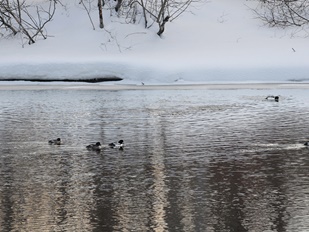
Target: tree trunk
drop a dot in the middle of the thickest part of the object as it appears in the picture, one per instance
(162, 26)
(100, 14)
(144, 12)
(118, 5)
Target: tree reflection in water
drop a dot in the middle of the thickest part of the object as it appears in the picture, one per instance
(193, 161)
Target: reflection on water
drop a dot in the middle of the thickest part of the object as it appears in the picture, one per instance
(202, 160)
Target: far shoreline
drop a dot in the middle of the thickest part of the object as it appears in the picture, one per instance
(118, 86)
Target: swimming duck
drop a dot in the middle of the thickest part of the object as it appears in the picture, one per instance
(94, 147)
(271, 97)
(55, 141)
(306, 143)
(116, 145)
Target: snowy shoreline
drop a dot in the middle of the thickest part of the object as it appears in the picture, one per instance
(227, 44)
(201, 86)
(88, 80)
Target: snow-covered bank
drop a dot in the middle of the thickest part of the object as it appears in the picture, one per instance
(222, 42)
(135, 73)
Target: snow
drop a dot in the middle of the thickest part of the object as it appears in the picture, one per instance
(217, 41)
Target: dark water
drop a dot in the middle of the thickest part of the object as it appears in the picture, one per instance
(200, 160)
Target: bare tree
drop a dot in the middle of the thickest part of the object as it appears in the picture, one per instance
(156, 11)
(151, 11)
(88, 6)
(16, 16)
(284, 13)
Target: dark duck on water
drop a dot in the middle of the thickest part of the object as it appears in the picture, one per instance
(55, 141)
(271, 97)
(116, 145)
(94, 147)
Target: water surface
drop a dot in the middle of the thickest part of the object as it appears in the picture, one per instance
(194, 160)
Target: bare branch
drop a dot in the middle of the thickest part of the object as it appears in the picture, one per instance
(284, 13)
(88, 12)
(15, 16)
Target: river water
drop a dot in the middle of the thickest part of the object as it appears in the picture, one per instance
(194, 160)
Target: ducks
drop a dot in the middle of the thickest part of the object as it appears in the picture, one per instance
(94, 147)
(117, 145)
(306, 143)
(55, 141)
(98, 146)
(271, 97)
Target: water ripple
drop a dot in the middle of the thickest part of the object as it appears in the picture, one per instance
(202, 160)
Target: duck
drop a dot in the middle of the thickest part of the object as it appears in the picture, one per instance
(94, 147)
(306, 143)
(271, 97)
(117, 145)
(55, 141)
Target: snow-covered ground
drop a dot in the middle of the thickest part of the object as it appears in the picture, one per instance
(221, 42)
